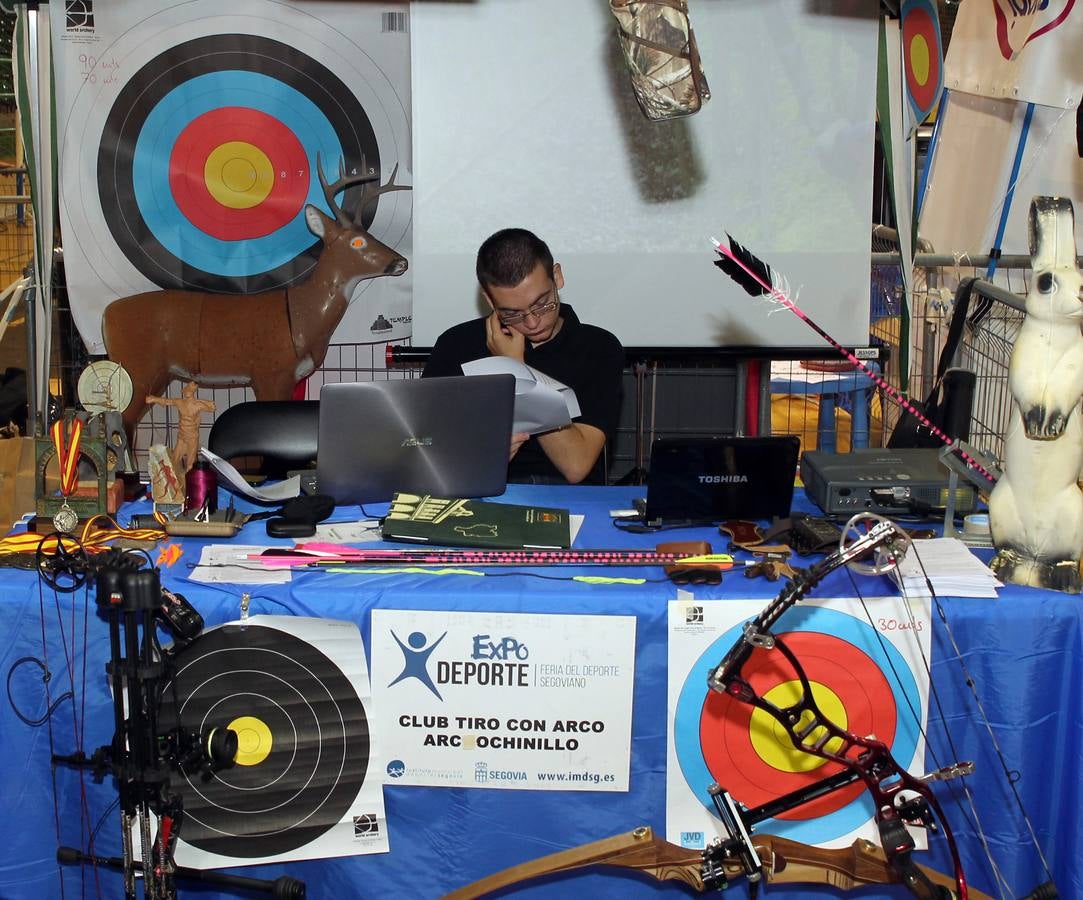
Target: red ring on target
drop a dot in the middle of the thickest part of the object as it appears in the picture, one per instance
(726, 740)
(202, 136)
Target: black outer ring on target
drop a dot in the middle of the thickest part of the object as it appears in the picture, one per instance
(201, 56)
(320, 747)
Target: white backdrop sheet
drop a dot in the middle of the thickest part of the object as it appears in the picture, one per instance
(524, 116)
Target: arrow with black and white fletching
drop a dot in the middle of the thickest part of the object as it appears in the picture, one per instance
(759, 279)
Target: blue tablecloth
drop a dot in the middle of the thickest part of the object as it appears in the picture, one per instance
(1023, 650)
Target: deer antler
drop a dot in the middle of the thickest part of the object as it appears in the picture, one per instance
(346, 181)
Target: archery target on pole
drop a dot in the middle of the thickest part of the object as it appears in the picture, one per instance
(303, 742)
(190, 141)
(923, 56)
(858, 682)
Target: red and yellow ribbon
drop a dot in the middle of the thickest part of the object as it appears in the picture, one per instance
(94, 535)
(67, 454)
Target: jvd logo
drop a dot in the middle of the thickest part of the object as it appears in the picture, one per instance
(503, 648)
(1016, 21)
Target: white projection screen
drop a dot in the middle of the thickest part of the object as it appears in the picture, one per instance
(524, 116)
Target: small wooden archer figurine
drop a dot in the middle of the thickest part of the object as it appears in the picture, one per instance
(189, 408)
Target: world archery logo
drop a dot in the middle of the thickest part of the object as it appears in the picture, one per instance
(1015, 26)
(416, 652)
(366, 825)
(79, 15)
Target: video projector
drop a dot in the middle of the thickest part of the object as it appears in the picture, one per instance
(888, 482)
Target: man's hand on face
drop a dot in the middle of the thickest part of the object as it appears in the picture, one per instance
(503, 340)
(517, 441)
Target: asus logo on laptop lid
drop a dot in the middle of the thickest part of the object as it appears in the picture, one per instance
(456, 432)
(705, 480)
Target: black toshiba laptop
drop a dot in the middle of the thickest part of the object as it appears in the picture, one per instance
(448, 437)
(705, 480)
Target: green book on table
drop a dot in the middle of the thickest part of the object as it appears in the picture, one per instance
(475, 523)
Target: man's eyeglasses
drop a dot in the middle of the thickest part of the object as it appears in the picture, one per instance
(538, 310)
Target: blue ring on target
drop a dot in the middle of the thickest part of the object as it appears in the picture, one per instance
(686, 721)
(150, 169)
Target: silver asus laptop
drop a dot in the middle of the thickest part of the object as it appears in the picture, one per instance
(448, 437)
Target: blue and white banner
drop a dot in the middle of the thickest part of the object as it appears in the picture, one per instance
(504, 700)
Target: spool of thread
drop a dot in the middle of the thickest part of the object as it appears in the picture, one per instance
(200, 488)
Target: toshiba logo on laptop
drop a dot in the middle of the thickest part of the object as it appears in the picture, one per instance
(417, 442)
(723, 479)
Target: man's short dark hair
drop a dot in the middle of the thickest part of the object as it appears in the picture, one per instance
(508, 256)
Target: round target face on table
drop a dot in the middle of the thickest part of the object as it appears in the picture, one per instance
(303, 740)
(720, 740)
(209, 154)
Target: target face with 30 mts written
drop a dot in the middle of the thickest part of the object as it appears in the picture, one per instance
(858, 682)
(303, 740)
(208, 157)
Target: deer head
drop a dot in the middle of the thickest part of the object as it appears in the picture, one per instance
(350, 255)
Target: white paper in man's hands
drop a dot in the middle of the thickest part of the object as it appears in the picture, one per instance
(541, 403)
(234, 480)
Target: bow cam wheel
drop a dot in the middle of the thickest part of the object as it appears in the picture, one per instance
(882, 559)
(65, 568)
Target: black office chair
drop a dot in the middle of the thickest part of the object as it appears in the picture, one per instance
(282, 433)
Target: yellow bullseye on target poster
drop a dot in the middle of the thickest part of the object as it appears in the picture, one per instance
(189, 136)
(865, 665)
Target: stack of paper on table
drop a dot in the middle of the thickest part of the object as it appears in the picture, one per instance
(949, 565)
(541, 403)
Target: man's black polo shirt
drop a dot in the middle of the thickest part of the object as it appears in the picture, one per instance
(588, 359)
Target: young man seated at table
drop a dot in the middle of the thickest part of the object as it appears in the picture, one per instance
(529, 323)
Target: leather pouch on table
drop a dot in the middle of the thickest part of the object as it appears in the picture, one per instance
(298, 517)
(694, 573)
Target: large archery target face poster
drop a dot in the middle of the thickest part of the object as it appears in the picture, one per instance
(191, 135)
(304, 784)
(866, 676)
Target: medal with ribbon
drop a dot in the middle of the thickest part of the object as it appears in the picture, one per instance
(67, 456)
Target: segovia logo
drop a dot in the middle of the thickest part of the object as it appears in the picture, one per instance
(723, 479)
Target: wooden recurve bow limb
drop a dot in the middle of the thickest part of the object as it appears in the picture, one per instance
(784, 861)
(638, 849)
(861, 863)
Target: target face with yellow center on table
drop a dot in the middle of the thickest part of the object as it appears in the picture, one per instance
(303, 740)
(860, 684)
